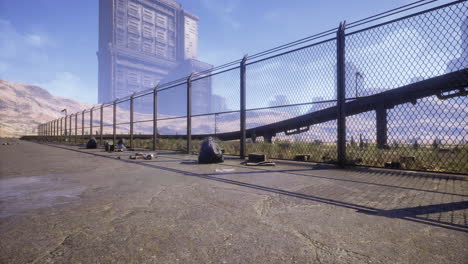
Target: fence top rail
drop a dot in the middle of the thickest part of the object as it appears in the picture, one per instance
(358, 27)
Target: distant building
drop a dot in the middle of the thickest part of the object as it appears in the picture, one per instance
(146, 42)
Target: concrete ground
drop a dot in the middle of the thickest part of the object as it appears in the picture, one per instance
(65, 204)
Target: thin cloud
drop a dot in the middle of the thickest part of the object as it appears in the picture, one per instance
(67, 84)
(224, 11)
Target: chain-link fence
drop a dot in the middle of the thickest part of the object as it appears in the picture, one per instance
(383, 94)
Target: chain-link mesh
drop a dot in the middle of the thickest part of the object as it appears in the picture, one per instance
(428, 133)
(143, 114)
(288, 86)
(107, 119)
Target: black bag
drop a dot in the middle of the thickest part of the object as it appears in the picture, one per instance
(109, 147)
(92, 144)
(210, 152)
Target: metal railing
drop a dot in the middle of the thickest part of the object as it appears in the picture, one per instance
(372, 93)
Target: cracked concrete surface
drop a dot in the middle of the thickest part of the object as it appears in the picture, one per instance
(63, 204)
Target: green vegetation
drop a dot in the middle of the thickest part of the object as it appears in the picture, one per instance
(415, 156)
(411, 156)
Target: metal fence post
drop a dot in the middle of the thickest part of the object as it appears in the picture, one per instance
(82, 124)
(101, 125)
(131, 120)
(61, 129)
(76, 128)
(114, 110)
(341, 94)
(381, 123)
(155, 115)
(242, 106)
(91, 122)
(70, 132)
(189, 113)
(65, 130)
(57, 131)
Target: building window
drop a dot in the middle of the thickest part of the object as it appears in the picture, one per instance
(134, 27)
(148, 47)
(161, 36)
(120, 38)
(134, 43)
(161, 21)
(170, 23)
(161, 50)
(171, 52)
(171, 39)
(147, 81)
(121, 6)
(120, 75)
(134, 9)
(148, 16)
(133, 78)
(148, 31)
(120, 22)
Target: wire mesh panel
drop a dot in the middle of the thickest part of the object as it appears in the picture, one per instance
(292, 85)
(143, 120)
(216, 93)
(172, 102)
(143, 108)
(172, 127)
(409, 58)
(96, 121)
(107, 119)
(172, 111)
(85, 125)
(203, 125)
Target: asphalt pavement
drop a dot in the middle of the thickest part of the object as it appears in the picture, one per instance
(66, 204)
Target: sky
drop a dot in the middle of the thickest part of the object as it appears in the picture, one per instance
(53, 43)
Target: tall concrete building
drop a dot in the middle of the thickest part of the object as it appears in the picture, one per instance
(146, 42)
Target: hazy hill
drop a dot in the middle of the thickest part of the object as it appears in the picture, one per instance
(24, 106)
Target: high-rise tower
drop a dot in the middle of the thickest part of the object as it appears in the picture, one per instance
(144, 42)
